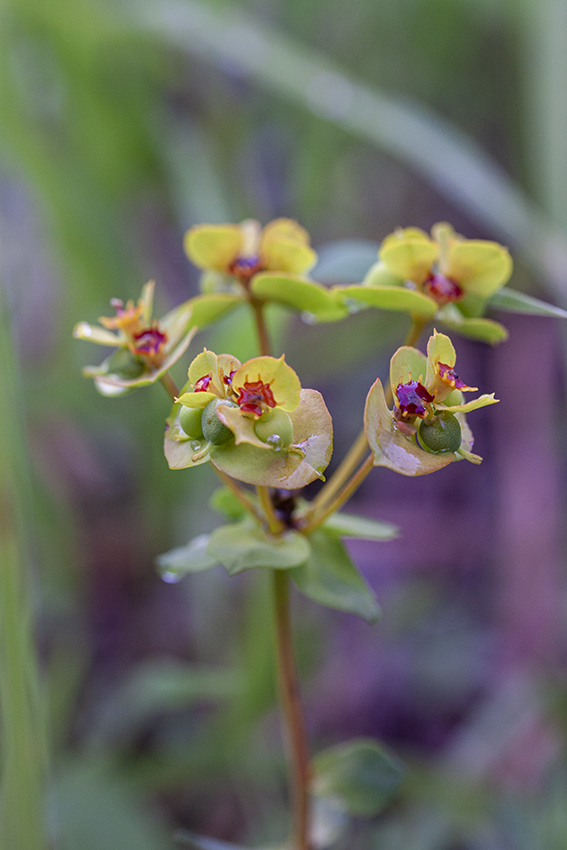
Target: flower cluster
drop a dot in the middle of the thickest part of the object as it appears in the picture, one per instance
(445, 277)
(145, 348)
(426, 429)
(243, 263)
(252, 420)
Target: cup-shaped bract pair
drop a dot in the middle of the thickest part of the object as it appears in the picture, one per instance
(245, 263)
(145, 348)
(253, 421)
(444, 276)
(426, 429)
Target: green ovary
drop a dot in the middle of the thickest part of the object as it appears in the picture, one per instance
(442, 434)
(275, 426)
(213, 429)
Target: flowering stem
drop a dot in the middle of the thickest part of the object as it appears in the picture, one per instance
(261, 328)
(358, 449)
(293, 712)
(275, 524)
(170, 386)
(342, 497)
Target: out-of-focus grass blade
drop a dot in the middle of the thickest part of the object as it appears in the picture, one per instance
(449, 159)
(23, 751)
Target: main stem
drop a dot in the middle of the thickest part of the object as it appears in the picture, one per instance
(293, 712)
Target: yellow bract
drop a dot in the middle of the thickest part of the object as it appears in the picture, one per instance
(213, 246)
(283, 381)
(282, 246)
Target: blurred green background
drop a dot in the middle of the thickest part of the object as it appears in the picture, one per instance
(120, 127)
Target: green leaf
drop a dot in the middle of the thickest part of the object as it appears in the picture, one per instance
(225, 502)
(208, 309)
(360, 775)
(349, 525)
(245, 546)
(518, 302)
(312, 433)
(484, 330)
(390, 446)
(191, 558)
(330, 578)
(390, 298)
(299, 294)
(158, 686)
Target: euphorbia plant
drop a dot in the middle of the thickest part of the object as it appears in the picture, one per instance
(257, 426)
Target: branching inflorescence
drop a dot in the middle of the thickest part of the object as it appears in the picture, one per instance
(256, 425)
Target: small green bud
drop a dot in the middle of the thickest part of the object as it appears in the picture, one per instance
(213, 429)
(190, 421)
(275, 427)
(125, 364)
(441, 434)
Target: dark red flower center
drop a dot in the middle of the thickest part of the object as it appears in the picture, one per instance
(149, 342)
(254, 397)
(202, 385)
(447, 374)
(442, 288)
(411, 397)
(228, 378)
(245, 267)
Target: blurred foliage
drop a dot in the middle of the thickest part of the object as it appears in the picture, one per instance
(122, 126)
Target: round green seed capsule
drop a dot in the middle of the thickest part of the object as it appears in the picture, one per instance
(125, 364)
(442, 434)
(275, 427)
(213, 429)
(190, 421)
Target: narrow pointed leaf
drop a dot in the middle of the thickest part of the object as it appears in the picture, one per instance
(518, 302)
(391, 298)
(245, 546)
(330, 578)
(299, 294)
(484, 330)
(208, 309)
(349, 525)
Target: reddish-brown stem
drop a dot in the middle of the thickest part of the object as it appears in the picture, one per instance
(261, 328)
(291, 704)
(170, 386)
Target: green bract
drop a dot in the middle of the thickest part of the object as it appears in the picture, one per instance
(443, 276)
(244, 263)
(146, 348)
(425, 390)
(252, 403)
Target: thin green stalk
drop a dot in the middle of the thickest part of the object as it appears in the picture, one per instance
(22, 719)
(294, 720)
(358, 449)
(275, 524)
(170, 386)
(343, 496)
(240, 494)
